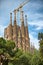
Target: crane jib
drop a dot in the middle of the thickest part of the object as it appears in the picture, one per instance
(21, 5)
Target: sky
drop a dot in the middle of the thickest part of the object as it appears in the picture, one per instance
(34, 11)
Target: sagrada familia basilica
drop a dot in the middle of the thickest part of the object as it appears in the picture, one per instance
(19, 34)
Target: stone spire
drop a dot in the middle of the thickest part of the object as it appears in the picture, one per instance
(22, 18)
(26, 20)
(22, 22)
(9, 29)
(26, 26)
(23, 30)
(27, 35)
(15, 31)
(11, 18)
(14, 16)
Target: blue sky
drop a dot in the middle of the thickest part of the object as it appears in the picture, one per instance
(34, 11)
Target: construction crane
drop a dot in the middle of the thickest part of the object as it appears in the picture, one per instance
(20, 8)
(21, 5)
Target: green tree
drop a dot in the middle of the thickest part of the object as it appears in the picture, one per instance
(22, 60)
(40, 37)
(2, 47)
(35, 59)
(41, 49)
(10, 45)
(6, 50)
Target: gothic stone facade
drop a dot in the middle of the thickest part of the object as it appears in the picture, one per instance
(19, 34)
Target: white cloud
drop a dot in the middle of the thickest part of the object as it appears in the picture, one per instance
(34, 41)
(35, 20)
(39, 24)
(39, 28)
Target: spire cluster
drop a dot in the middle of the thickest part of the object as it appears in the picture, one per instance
(19, 34)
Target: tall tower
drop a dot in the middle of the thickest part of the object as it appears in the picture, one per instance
(27, 35)
(15, 34)
(9, 29)
(23, 31)
(10, 18)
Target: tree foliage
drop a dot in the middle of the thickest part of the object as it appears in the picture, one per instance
(18, 57)
(40, 37)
